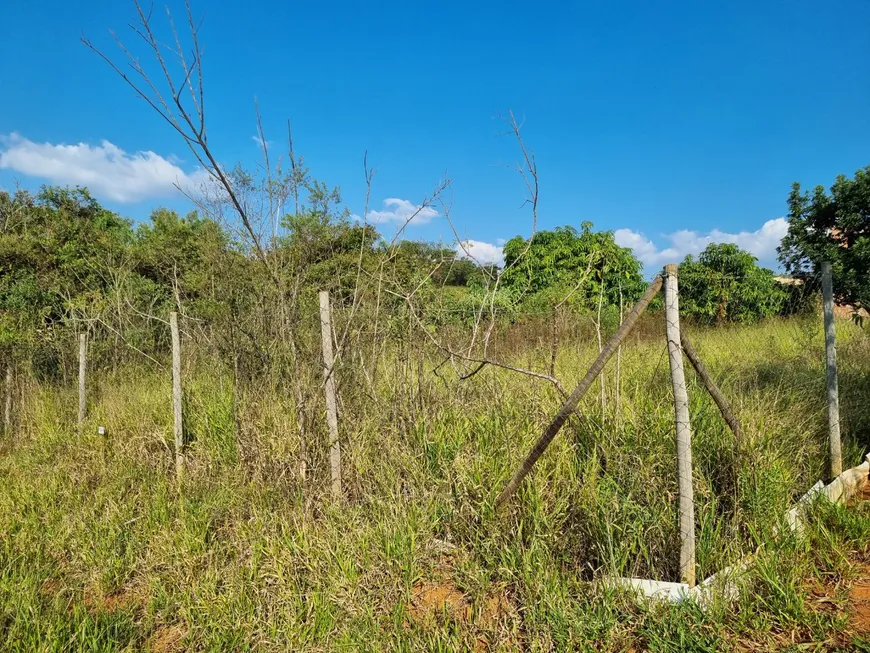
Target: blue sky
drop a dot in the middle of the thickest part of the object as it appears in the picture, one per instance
(671, 123)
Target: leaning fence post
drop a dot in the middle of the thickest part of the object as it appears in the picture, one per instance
(178, 425)
(83, 370)
(582, 388)
(329, 387)
(684, 430)
(709, 383)
(831, 371)
(7, 409)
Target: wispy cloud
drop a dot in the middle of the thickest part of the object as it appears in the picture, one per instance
(762, 243)
(108, 171)
(399, 211)
(260, 142)
(481, 252)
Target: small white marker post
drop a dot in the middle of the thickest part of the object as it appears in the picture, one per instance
(104, 441)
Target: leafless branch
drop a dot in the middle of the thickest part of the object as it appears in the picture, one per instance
(189, 124)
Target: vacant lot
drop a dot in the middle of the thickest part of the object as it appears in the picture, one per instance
(100, 550)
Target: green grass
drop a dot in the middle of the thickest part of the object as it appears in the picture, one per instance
(100, 551)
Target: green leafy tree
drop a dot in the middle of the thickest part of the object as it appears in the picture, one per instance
(459, 272)
(556, 261)
(323, 250)
(59, 251)
(184, 257)
(726, 284)
(835, 227)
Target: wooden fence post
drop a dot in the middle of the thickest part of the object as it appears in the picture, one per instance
(329, 387)
(582, 388)
(831, 371)
(684, 430)
(83, 370)
(7, 409)
(178, 425)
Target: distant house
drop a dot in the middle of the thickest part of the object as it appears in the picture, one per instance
(844, 311)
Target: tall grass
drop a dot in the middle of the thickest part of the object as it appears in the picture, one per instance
(101, 551)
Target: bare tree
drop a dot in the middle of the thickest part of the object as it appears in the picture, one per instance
(476, 351)
(177, 95)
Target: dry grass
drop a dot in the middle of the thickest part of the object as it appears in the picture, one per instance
(100, 551)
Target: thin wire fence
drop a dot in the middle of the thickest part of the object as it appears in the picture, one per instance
(408, 372)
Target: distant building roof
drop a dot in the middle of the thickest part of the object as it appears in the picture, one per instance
(789, 281)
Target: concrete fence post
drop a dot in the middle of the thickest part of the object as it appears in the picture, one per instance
(684, 429)
(329, 388)
(831, 371)
(178, 422)
(83, 370)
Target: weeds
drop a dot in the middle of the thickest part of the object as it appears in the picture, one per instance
(100, 551)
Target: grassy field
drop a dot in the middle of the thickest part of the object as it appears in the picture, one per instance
(100, 551)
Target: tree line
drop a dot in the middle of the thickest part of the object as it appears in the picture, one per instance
(69, 264)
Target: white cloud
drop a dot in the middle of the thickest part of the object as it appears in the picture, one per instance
(260, 142)
(483, 253)
(762, 243)
(401, 211)
(108, 171)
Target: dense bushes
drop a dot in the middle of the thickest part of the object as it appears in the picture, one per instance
(581, 267)
(725, 284)
(69, 265)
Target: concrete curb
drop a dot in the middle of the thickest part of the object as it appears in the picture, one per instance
(724, 583)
